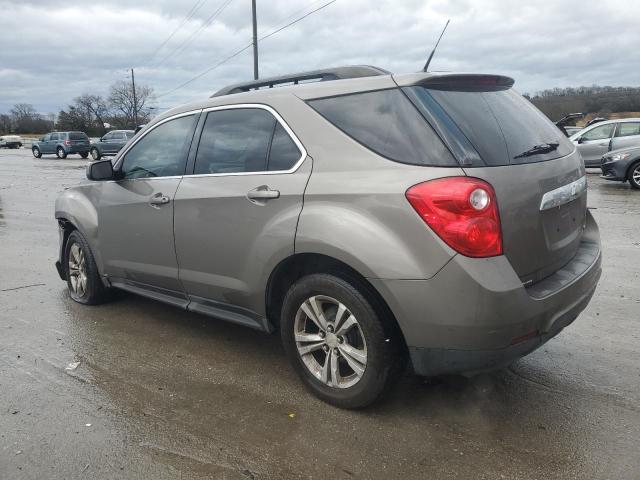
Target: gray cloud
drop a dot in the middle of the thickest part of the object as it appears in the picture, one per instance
(53, 51)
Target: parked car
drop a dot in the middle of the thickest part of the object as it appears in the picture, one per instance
(367, 220)
(10, 141)
(111, 143)
(594, 141)
(622, 165)
(62, 144)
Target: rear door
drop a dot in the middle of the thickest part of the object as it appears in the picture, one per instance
(503, 128)
(594, 143)
(627, 134)
(136, 212)
(236, 214)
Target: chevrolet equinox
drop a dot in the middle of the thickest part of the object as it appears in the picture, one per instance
(369, 218)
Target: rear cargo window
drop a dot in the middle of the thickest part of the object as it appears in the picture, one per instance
(77, 136)
(501, 124)
(386, 122)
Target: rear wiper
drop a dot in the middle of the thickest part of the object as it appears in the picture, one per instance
(537, 149)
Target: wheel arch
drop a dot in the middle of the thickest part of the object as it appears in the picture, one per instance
(632, 164)
(299, 265)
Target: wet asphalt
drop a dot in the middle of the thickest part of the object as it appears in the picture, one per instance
(161, 394)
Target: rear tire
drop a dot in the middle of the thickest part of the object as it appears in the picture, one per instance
(350, 362)
(83, 278)
(95, 154)
(60, 153)
(36, 152)
(634, 176)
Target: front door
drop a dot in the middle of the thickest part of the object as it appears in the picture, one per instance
(595, 143)
(136, 212)
(236, 215)
(51, 143)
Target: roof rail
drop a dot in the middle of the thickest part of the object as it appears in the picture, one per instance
(338, 73)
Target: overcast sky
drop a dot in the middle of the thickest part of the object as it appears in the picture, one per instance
(52, 51)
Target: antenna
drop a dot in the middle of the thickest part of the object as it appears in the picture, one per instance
(426, 65)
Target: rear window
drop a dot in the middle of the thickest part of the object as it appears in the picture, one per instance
(500, 124)
(386, 122)
(77, 136)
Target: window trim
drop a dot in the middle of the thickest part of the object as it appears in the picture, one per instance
(279, 119)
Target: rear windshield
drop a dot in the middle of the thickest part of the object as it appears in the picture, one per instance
(77, 136)
(501, 125)
(386, 122)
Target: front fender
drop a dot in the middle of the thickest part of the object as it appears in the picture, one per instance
(77, 205)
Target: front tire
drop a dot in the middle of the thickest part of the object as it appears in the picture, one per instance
(83, 279)
(335, 339)
(634, 176)
(36, 152)
(60, 153)
(95, 154)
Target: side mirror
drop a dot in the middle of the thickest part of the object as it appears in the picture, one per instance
(581, 140)
(101, 170)
(42, 139)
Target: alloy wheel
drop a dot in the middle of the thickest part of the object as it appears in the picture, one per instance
(635, 175)
(330, 342)
(77, 270)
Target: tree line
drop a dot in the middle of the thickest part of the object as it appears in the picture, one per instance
(558, 102)
(89, 113)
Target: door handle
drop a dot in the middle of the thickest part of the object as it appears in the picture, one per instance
(262, 194)
(159, 199)
(603, 144)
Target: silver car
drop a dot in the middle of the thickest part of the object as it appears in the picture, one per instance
(369, 218)
(594, 141)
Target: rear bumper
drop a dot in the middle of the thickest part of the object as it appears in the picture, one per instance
(77, 149)
(475, 314)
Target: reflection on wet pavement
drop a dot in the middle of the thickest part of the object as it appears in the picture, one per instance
(160, 393)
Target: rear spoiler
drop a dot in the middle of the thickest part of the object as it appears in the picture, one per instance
(470, 82)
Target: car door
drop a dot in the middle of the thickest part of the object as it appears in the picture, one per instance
(236, 215)
(627, 134)
(119, 139)
(43, 143)
(51, 143)
(135, 214)
(594, 143)
(105, 143)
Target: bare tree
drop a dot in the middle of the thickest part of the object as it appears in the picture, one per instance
(97, 107)
(125, 107)
(21, 111)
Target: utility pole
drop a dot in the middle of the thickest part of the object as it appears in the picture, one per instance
(255, 40)
(135, 100)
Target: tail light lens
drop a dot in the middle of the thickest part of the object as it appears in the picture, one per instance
(67, 142)
(462, 211)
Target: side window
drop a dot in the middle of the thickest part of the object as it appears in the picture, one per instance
(108, 137)
(46, 138)
(386, 122)
(603, 132)
(284, 153)
(118, 136)
(628, 129)
(162, 152)
(54, 137)
(235, 140)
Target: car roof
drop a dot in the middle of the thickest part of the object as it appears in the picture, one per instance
(328, 88)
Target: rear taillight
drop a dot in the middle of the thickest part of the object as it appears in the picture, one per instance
(67, 142)
(463, 212)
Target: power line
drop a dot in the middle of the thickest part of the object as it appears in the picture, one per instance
(238, 52)
(194, 8)
(207, 23)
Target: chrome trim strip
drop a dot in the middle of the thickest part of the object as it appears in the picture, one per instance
(565, 194)
(279, 119)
